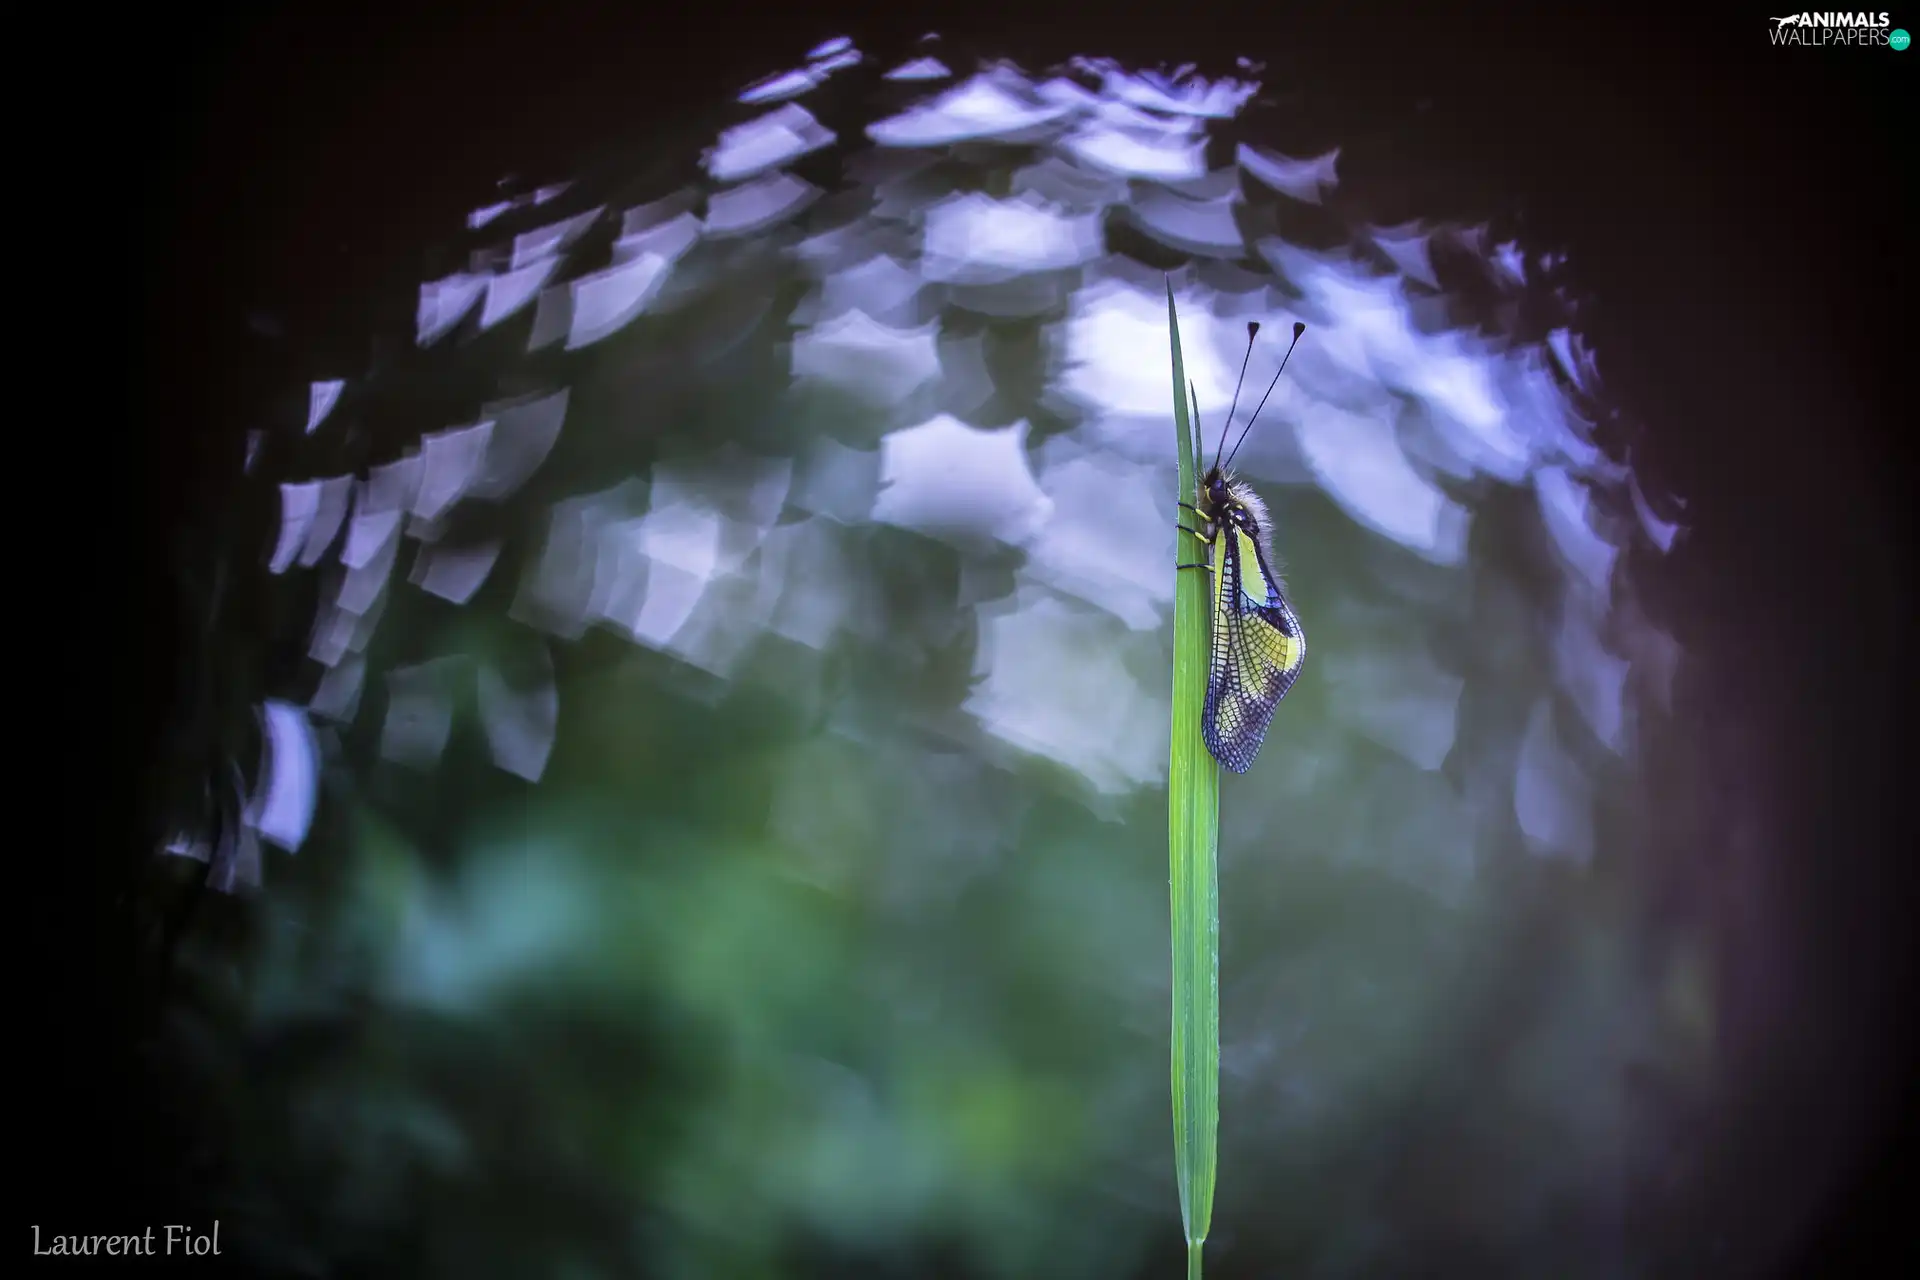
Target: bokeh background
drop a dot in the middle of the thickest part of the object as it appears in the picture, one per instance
(664, 773)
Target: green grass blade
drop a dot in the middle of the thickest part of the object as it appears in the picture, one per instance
(1193, 837)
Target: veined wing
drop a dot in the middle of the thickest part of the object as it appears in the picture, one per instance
(1258, 648)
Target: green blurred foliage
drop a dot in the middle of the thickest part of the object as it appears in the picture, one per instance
(798, 971)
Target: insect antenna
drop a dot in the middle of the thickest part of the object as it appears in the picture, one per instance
(1298, 329)
(1253, 327)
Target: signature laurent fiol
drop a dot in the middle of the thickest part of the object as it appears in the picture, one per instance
(173, 1242)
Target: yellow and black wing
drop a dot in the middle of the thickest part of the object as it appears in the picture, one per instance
(1258, 647)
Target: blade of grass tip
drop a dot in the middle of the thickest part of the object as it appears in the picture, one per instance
(1193, 830)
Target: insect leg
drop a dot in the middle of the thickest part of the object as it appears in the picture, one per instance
(1201, 565)
(1189, 506)
(1195, 532)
